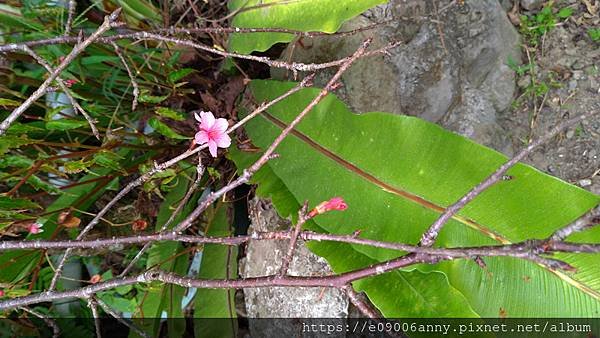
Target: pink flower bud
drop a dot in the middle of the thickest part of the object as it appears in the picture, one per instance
(95, 279)
(35, 228)
(336, 203)
(69, 83)
(1, 293)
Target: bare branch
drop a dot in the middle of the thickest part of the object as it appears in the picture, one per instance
(134, 84)
(109, 21)
(64, 89)
(515, 249)
(129, 34)
(294, 233)
(119, 318)
(590, 219)
(71, 15)
(94, 307)
(337, 281)
(360, 304)
(51, 323)
(526, 250)
(431, 234)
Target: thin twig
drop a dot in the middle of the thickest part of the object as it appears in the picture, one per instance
(134, 84)
(71, 15)
(64, 89)
(337, 281)
(294, 233)
(293, 66)
(119, 318)
(51, 323)
(94, 307)
(431, 234)
(109, 21)
(225, 30)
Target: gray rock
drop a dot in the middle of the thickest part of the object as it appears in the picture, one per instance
(264, 258)
(577, 65)
(431, 75)
(531, 5)
(507, 5)
(572, 85)
(470, 118)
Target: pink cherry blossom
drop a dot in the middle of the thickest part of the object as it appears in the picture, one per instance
(336, 203)
(212, 132)
(35, 228)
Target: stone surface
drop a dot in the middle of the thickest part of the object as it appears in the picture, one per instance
(264, 258)
(531, 5)
(451, 67)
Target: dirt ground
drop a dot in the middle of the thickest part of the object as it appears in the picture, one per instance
(568, 61)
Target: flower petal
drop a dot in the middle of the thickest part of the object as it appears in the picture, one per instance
(212, 148)
(207, 120)
(223, 140)
(221, 125)
(201, 137)
(197, 117)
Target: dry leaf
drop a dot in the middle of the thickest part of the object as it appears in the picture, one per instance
(513, 15)
(67, 220)
(592, 8)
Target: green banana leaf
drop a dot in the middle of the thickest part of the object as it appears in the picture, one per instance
(304, 15)
(397, 173)
(218, 261)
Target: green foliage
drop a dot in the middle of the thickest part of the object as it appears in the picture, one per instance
(8, 203)
(170, 113)
(535, 26)
(594, 34)
(165, 130)
(304, 15)
(65, 124)
(395, 181)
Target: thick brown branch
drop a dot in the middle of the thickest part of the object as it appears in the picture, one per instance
(521, 248)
